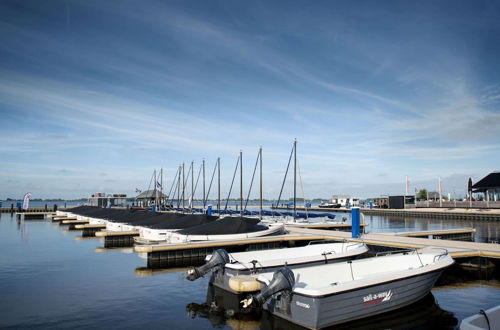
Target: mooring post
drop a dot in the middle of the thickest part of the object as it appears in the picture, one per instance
(355, 222)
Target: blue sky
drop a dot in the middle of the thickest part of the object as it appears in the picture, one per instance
(96, 94)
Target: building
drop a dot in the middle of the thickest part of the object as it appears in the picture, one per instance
(489, 186)
(345, 200)
(400, 202)
(149, 197)
(101, 200)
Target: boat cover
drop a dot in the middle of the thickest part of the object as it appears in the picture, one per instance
(225, 226)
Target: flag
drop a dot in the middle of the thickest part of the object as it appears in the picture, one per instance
(138, 191)
(416, 191)
(26, 201)
(158, 185)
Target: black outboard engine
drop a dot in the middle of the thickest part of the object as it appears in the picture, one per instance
(219, 258)
(283, 280)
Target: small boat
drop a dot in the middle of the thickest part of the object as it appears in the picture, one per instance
(484, 320)
(321, 296)
(227, 228)
(238, 272)
(329, 205)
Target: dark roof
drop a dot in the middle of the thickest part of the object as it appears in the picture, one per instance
(151, 194)
(492, 180)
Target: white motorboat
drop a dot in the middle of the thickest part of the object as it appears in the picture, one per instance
(321, 296)
(237, 272)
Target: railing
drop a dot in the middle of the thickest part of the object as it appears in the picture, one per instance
(456, 204)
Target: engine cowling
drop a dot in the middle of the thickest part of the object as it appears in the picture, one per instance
(283, 280)
(219, 258)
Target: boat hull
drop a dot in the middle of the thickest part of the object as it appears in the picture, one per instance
(317, 312)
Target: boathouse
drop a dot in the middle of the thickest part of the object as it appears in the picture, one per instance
(489, 186)
(149, 197)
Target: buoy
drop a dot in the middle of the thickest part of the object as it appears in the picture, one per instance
(244, 283)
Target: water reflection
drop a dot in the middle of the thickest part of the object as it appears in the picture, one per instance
(223, 309)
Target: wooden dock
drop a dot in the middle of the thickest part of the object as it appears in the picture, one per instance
(117, 238)
(326, 226)
(442, 213)
(62, 218)
(454, 234)
(193, 253)
(89, 230)
(457, 249)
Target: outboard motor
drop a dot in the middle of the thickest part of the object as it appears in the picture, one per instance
(219, 258)
(283, 279)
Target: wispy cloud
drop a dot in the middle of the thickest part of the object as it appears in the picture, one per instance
(163, 84)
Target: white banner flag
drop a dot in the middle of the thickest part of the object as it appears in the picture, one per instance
(26, 201)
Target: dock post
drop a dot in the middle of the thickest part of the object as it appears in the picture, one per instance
(355, 222)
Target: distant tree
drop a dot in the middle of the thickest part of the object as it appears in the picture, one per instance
(422, 194)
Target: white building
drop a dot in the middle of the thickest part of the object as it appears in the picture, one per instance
(345, 200)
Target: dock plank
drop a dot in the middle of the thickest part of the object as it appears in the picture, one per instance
(455, 248)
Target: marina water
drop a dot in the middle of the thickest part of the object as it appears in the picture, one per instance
(51, 278)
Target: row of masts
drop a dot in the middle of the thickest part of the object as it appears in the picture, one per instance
(179, 184)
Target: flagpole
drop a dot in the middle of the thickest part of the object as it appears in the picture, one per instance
(440, 199)
(406, 186)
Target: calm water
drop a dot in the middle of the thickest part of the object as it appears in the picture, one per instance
(51, 279)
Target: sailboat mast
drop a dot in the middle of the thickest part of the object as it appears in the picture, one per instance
(192, 185)
(204, 199)
(295, 179)
(218, 185)
(183, 186)
(154, 190)
(241, 183)
(179, 188)
(161, 187)
(260, 161)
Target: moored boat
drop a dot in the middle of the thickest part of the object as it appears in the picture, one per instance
(484, 320)
(238, 272)
(320, 296)
(227, 228)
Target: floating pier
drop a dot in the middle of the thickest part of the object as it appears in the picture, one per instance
(326, 226)
(15, 209)
(192, 253)
(452, 234)
(457, 249)
(33, 215)
(89, 230)
(60, 218)
(442, 213)
(72, 223)
(117, 238)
